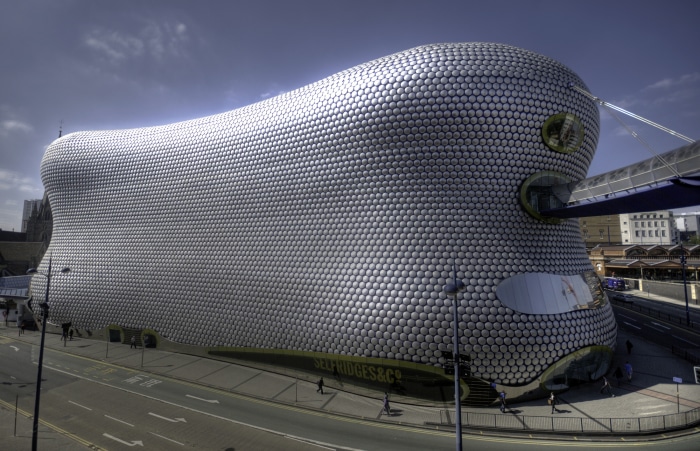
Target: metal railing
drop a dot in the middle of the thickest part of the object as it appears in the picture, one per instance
(642, 425)
(691, 355)
(673, 319)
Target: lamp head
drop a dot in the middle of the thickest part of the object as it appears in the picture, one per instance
(455, 287)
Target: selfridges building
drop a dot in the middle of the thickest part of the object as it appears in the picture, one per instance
(318, 229)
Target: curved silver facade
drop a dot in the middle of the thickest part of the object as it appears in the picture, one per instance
(327, 219)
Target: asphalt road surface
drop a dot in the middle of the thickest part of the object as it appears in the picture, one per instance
(104, 406)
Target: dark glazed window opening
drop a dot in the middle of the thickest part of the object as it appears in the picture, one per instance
(536, 194)
(563, 132)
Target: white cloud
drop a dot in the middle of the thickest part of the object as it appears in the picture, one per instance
(154, 39)
(13, 180)
(269, 94)
(114, 46)
(671, 83)
(10, 126)
(674, 90)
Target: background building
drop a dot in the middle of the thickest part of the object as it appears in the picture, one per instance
(597, 230)
(688, 225)
(30, 207)
(648, 228)
(40, 222)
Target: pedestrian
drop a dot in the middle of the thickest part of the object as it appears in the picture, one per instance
(628, 371)
(606, 387)
(387, 409)
(553, 402)
(70, 334)
(320, 386)
(133, 342)
(336, 374)
(618, 375)
(629, 346)
(502, 399)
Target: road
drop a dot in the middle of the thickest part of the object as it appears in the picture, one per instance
(675, 311)
(665, 333)
(111, 407)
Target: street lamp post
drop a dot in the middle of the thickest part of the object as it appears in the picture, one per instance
(452, 289)
(45, 315)
(685, 287)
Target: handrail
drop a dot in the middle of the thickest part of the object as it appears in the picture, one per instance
(557, 424)
(676, 320)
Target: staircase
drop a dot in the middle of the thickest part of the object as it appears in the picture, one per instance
(481, 394)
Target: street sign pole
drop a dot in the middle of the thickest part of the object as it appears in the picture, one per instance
(678, 381)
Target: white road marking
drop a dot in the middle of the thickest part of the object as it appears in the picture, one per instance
(132, 443)
(661, 325)
(679, 338)
(75, 403)
(213, 401)
(121, 421)
(166, 438)
(172, 420)
(632, 325)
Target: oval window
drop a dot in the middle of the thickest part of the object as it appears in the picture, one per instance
(563, 132)
(536, 194)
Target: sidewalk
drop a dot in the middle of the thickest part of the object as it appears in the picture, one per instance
(652, 391)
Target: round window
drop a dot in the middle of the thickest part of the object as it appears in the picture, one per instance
(536, 194)
(563, 132)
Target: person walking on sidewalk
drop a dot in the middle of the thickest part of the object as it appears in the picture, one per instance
(502, 399)
(628, 371)
(387, 409)
(133, 342)
(606, 387)
(320, 386)
(629, 346)
(618, 375)
(553, 400)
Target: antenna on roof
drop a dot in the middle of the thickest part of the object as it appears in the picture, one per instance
(60, 129)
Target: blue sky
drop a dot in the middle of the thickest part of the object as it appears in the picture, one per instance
(109, 65)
